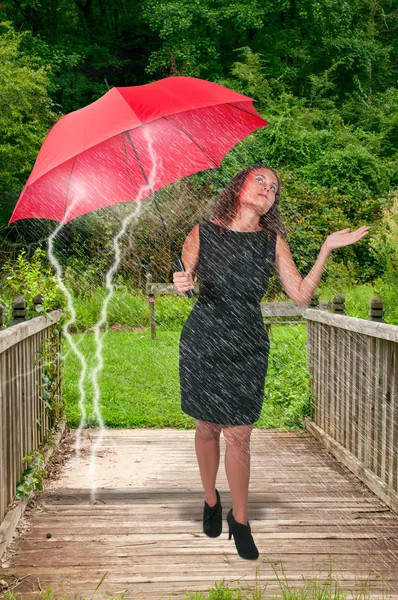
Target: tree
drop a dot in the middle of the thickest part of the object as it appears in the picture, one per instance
(26, 114)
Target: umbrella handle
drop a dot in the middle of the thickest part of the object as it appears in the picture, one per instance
(180, 266)
(178, 261)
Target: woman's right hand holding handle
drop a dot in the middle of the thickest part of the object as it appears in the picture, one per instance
(183, 281)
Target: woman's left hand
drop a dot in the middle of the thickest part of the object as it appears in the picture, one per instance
(338, 239)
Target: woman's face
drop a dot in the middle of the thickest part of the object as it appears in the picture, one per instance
(259, 190)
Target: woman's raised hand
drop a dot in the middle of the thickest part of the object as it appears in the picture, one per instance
(183, 281)
(338, 239)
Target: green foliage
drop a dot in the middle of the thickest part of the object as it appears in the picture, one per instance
(32, 476)
(354, 171)
(61, 61)
(26, 110)
(49, 359)
(29, 277)
(388, 292)
(79, 285)
(84, 43)
(333, 163)
(124, 308)
(319, 587)
(298, 40)
(129, 308)
(323, 73)
(354, 42)
(171, 312)
(139, 383)
(384, 247)
(146, 371)
(384, 242)
(287, 390)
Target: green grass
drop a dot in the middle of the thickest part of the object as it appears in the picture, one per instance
(287, 386)
(139, 383)
(358, 297)
(130, 308)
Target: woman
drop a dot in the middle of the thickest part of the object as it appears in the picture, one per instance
(224, 344)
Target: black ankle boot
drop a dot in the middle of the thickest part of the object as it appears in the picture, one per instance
(212, 518)
(243, 538)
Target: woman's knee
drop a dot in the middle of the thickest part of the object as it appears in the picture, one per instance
(208, 431)
(238, 435)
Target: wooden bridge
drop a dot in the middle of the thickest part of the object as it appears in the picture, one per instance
(325, 499)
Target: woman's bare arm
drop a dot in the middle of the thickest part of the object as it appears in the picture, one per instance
(301, 290)
(183, 280)
(190, 250)
(298, 289)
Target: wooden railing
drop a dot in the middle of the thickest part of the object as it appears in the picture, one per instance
(354, 377)
(24, 420)
(288, 313)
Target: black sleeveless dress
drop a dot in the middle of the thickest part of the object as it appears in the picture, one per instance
(224, 345)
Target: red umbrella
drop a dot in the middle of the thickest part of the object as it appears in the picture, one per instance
(131, 142)
(100, 155)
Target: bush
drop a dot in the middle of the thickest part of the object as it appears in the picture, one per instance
(389, 294)
(29, 277)
(384, 242)
(354, 170)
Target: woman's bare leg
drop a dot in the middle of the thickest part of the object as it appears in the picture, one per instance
(207, 446)
(237, 467)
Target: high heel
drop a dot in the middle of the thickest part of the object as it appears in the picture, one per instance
(212, 518)
(242, 537)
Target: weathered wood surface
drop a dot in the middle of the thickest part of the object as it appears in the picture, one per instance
(308, 513)
(24, 421)
(354, 379)
(379, 330)
(11, 336)
(287, 309)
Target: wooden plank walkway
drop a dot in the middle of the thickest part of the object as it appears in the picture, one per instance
(308, 513)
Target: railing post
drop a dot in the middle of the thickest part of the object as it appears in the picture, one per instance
(314, 300)
(376, 310)
(2, 316)
(19, 311)
(37, 300)
(151, 301)
(338, 304)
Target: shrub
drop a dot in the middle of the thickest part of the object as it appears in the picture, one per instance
(29, 277)
(384, 242)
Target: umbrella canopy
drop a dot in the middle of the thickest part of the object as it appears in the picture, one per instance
(131, 142)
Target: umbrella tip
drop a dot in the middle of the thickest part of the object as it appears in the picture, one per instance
(107, 84)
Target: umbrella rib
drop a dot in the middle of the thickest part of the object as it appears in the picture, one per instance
(245, 111)
(67, 189)
(138, 160)
(129, 175)
(152, 192)
(179, 128)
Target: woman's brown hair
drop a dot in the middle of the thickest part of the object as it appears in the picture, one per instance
(225, 205)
